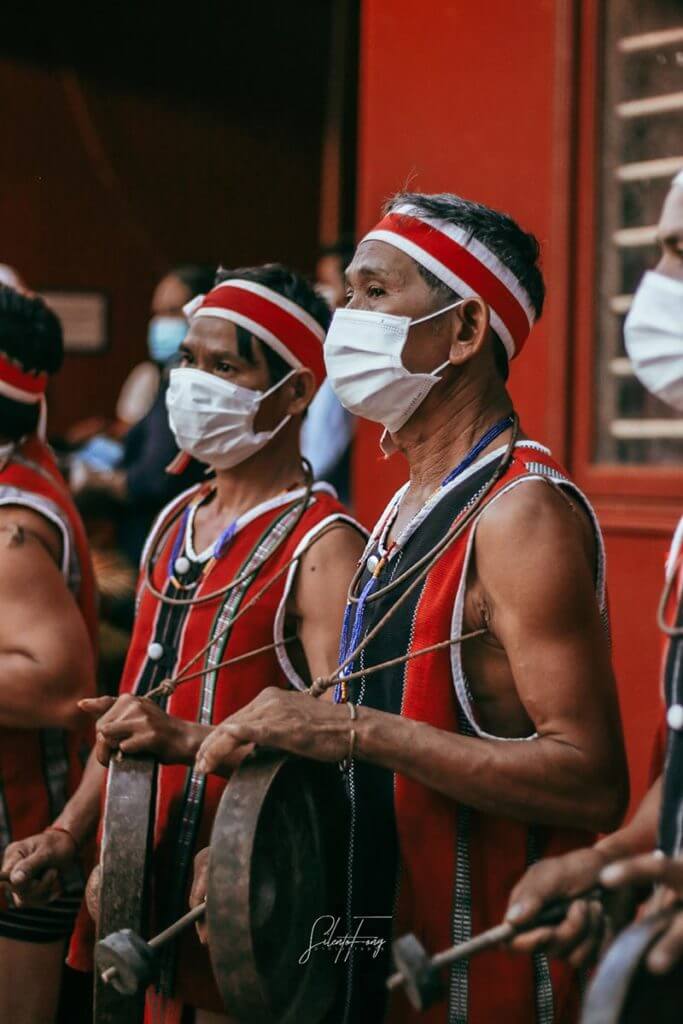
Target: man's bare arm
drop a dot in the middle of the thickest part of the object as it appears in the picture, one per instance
(537, 580)
(536, 573)
(578, 937)
(46, 660)
(320, 593)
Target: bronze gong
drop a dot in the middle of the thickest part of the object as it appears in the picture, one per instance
(623, 991)
(124, 860)
(278, 851)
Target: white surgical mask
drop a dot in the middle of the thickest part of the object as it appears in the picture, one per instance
(363, 352)
(653, 334)
(213, 419)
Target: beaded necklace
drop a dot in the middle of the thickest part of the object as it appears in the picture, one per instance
(349, 643)
(180, 564)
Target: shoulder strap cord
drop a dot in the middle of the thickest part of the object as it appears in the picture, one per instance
(183, 675)
(668, 630)
(425, 564)
(423, 567)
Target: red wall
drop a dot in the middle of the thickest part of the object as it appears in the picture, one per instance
(480, 99)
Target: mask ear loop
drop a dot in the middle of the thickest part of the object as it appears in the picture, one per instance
(270, 391)
(431, 316)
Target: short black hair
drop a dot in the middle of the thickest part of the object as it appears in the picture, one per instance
(291, 286)
(30, 335)
(518, 250)
(198, 278)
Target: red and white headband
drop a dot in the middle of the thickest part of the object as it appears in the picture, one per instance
(21, 385)
(465, 265)
(289, 330)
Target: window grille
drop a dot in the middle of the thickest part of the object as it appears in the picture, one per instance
(641, 151)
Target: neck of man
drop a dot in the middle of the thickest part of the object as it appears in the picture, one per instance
(447, 428)
(267, 473)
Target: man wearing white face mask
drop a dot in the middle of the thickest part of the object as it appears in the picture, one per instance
(482, 725)
(653, 334)
(132, 470)
(254, 564)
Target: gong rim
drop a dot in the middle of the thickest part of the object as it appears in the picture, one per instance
(249, 992)
(124, 860)
(611, 989)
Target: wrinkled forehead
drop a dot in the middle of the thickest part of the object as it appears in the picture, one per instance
(671, 220)
(375, 258)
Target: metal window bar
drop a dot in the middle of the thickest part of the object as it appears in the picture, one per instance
(646, 170)
(647, 430)
(641, 151)
(620, 304)
(621, 367)
(650, 40)
(650, 105)
(628, 238)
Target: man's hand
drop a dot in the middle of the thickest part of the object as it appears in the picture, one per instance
(198, 891)
(33, 866)
(138, 726)
(283, 719)
(579, 936)
(667, 872)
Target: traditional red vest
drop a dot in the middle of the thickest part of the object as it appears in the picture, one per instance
(455, 867)
(164, 640)
(41, 768)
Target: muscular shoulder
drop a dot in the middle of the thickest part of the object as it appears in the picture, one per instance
(534, 555)
(536, 516)
(336, 544)
(21, 526)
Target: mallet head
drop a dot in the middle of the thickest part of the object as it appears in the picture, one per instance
(128, 962)
(421, 979)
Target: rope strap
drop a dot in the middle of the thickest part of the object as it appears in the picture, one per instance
(323, 683)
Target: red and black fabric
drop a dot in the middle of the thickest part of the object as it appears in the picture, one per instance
(419, 861)
(671, 817)
(187, 801)
(41, 768)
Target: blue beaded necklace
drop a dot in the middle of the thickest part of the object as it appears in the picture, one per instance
(348, 643)
(219, 548)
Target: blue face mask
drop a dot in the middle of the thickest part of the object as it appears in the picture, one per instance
(165, 336)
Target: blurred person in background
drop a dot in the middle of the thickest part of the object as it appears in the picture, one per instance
(11, 277)
(164, 332)
(47, 646)
(133, 471)
(653, 334)
(327, 431)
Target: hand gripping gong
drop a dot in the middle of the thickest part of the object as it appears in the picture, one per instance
(277, 860)
(623, 991)
(126, 840)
